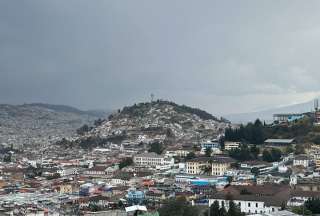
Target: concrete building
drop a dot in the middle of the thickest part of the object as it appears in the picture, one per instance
(231, 145)
(217, 165)
(220, 165)
(152, 159)
(301, 160)
(278, 142)
(253, 199)
(287, 117)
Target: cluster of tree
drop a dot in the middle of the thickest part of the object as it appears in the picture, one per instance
(201, 113)
(98, 122)
(257, 132)
(125, 162)
(245, 153)
(208, 152)
(216, 210)
(190, 156)
(253, 133)
(32, 172)
(178, 207)
(91, 142)
(271, 155)
(83, 129)
(7, 157)
(139, 109)
(54, 176)
(313, 205)
(156, 147)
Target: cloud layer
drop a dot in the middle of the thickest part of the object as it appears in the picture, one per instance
(223, 56)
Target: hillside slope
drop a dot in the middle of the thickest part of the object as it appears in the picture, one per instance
(160, 121)
(39, 123)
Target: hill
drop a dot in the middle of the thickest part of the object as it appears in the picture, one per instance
(40, 123)
(160, 121)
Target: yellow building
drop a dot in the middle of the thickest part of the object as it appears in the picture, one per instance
(196, 166)
(68, 189)
(217, 165)
(220, 165)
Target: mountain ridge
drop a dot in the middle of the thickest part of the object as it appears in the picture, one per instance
(162, 121)
(267, 115)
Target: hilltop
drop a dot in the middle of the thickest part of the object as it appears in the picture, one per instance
(35, 124)
(161, 121)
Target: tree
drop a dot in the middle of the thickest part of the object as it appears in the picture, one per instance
(313, 205)
(222, 211)
(299, 149)
(301, 210)
(7, 157)
(271, 156)
(178, 207)
(214, 209)
(190, 156)
(234, 210)
(208, 152)
(276, 154)
(289, 149)
(84, 129)
(156, 147)
(255, 171)
(126, 162)
(244, 153)
(266, 156)
(255, 151)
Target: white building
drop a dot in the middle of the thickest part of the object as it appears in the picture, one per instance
(65, 171)
(231, 145)
(253, 199)
(301, 160)
(152, 159)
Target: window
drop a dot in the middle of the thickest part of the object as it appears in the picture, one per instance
(272, 209)
(257, 205)
(249, 204)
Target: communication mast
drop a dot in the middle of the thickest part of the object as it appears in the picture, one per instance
(152, 97)
(316, 105)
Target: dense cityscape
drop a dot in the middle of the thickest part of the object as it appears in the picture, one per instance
(159, 108)
(157, 158)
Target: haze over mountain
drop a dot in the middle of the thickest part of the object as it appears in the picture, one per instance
(41, 124)
(267, 115)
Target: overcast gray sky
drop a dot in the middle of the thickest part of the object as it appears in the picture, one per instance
(223, 56)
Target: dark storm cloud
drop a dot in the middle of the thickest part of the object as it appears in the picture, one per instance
(224, 56)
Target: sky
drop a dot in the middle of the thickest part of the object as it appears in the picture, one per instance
(222, 56)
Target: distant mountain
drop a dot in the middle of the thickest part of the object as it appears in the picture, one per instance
(69, 109)
(41, 123)
(267, 115)
(161, 121)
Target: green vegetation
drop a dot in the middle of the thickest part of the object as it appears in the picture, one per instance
(215, 210)
(310, 207)
(253, 133)
(313, 205)
(156, 147)
(141, 108)
(208, 152)
(245, 153)
(178, 207)
(302, 130)
(271, 155)
(83, 130)
(125, 162)
(190, 156)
